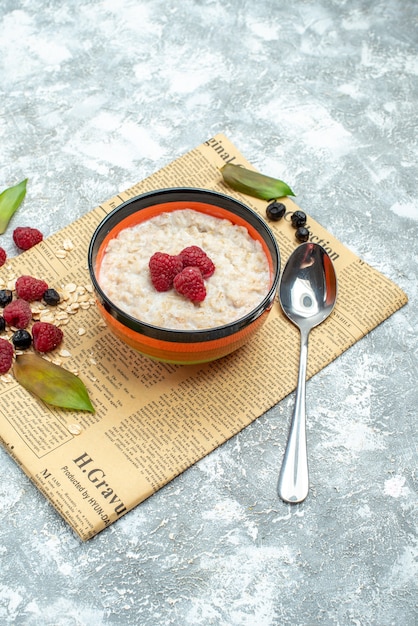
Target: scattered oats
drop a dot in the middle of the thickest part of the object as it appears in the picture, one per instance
(7, 378)
(81, 331)
(56, 361)
(68, 245)
(73, 308)
(89, 288)
(11, 284)
(92, 361)
(101, 324)
(65, 353)
(37, 308)
(60, 254)
(46, 316)
(85, 305)
(62, 316)
(75, 429)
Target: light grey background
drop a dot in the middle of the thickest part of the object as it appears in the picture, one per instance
(98, 94)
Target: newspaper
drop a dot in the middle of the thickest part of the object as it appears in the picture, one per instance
(153, 420)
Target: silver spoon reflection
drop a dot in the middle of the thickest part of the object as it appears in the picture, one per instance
(308, 290)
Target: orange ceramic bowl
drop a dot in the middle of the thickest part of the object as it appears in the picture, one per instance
(182, 346)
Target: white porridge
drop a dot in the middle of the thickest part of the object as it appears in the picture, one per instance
(240, 281)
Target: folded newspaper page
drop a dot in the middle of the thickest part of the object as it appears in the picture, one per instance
(153, 420)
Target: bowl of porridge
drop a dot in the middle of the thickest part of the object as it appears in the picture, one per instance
(184, 275)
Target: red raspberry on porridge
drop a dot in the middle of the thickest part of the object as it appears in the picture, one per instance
(238, 284)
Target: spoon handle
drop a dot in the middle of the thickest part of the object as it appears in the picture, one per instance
(293, 485)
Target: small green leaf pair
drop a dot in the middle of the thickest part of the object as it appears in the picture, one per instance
(51, 383)
(253, 183)
(10, 201)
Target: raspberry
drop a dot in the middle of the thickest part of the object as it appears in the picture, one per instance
(26, 237)
(17, 313)
(163, 268)
(46, 336)
(196, 257)
(3, 256)
(30, 288)
(189, 283)
(6, 356)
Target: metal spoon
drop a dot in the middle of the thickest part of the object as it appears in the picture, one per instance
(308, 290)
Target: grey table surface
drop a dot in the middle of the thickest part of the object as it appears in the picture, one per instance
(98, 94)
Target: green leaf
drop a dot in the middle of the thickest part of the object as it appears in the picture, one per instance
(51, 383)
(10, 201)
(253, 183)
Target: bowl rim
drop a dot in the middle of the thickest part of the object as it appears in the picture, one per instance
(164, 196)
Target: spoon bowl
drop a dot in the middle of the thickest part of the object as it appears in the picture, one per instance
(307, 293)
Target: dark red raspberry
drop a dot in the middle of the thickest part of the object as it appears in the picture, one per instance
(17, 313)
(30, 288)
(6, 355)
(26, 237)
(196, 257)
(46, 336)
(3, 256)
(189, 283)
(163, 268)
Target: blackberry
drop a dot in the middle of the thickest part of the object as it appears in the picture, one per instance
(302, 234)
(275, 211)
(2, 324)
(51, 297)
(21, 339)
(6, 296)
(298, 219)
